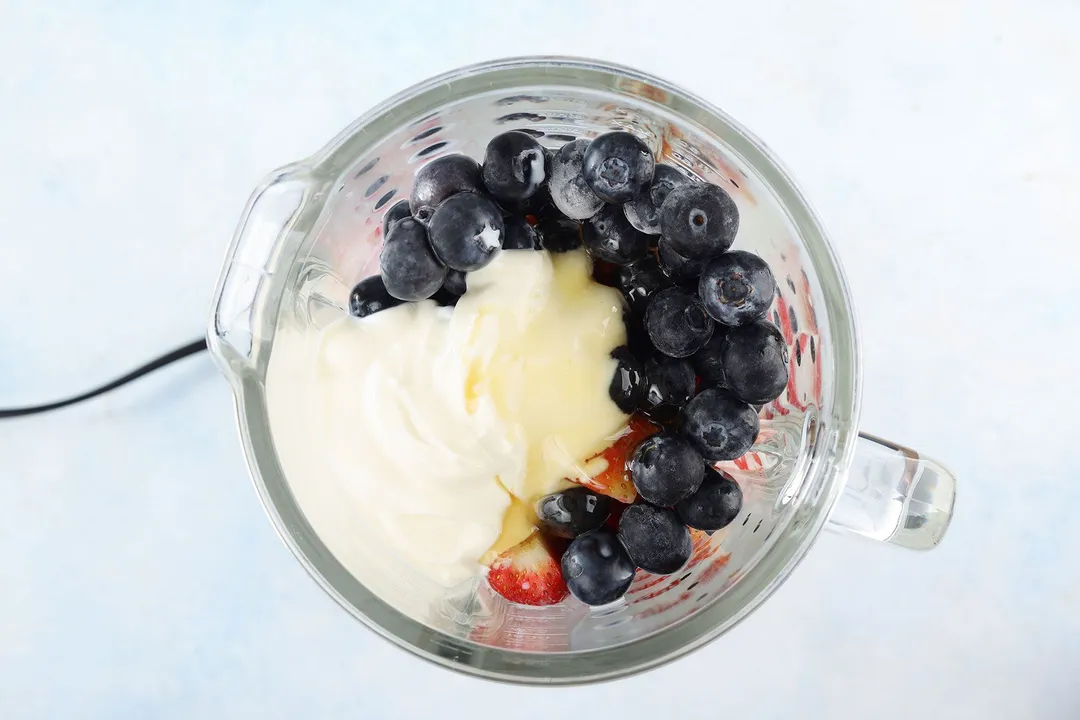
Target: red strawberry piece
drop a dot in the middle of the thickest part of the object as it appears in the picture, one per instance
(605, 273)
(528, 574)
(613, 477)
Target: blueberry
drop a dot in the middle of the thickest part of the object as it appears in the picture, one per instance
(538, 204)
(409, 268)
(656, 540)
(640, 282)
(715, 504)
(572, 512)
(677, 323)
(569, 191)
(441, 178)
(369, 297)
(670, 385)
(644, 212)
(513, 166)
(558, 234)
(709, 360)
(445, 298)
(699, 220)
(677, 267)
(597, 568)
(454, 282)
(398, 211)
(719, 425)
(466, 231)
(609, 236)
(665, 469)
(627, 389)
(519, 235)
(618, 166)
(637, 339)
(737, 287)
(755, 359)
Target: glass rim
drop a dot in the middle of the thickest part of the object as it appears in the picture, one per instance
(828, 459)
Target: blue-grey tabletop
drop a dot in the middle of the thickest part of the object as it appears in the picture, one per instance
(139, 577)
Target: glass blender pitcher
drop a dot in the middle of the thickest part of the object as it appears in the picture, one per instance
(312, 230)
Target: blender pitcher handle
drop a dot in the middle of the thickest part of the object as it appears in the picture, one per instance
(895, 495)
(233, 331)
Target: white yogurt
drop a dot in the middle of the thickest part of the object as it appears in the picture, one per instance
(425, 424)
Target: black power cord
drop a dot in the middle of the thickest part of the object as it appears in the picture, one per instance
(166, 359)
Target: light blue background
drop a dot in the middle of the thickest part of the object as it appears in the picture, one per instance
(138, 578)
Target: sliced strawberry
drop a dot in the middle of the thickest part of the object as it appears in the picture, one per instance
(605, 273)
(608, 471)
(528, 573)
